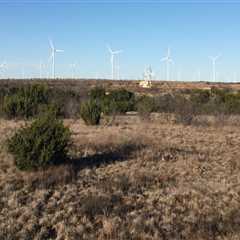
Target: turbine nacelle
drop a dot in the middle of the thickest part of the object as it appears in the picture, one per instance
(112, 52)
(53, 49)
(167, 58)
(214, 59)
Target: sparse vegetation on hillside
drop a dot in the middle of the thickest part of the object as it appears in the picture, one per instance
(31, 100)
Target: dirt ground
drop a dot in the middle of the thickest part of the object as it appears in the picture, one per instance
(133, 180)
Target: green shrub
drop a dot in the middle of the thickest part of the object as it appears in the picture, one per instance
(109, 106)
(200, 100)
(45, 142)
(200, 96)
(232, 103)
(46, 108)
(66, 101)
(185, 111)
(118, 101)
(166, 103)
(25, 102)
(13, 106)
(91, 112)
(145, 106)
(97, 93)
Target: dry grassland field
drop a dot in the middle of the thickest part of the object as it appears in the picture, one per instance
(140, 179)
(120, 120)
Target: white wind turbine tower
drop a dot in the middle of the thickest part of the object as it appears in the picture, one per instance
(52, 56)
(214, 60)
(168, 61)
(73, 67)
(3, 66)
(235, 77)
(40, 68)
(113, 64)
(199, 76)
(23, 72)
(117, 71)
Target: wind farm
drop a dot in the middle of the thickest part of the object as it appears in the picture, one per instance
(170, 73)
(119, 120)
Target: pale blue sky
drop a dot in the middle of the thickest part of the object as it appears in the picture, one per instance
(143, 29)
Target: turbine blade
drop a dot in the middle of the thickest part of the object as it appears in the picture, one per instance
(117, 52)
(218, 56)
(109, 49)
(51, 44)
(59, 50)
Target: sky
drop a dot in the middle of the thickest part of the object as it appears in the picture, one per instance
(194, 30)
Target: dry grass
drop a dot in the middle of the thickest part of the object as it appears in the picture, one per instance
(131, 180)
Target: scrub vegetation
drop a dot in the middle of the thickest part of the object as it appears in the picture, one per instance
(167, 167)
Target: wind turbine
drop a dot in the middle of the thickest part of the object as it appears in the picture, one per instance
(112, 60)
(23, 72)
(214, 60)
(73, 67)
(52, 56)
(3, 66)
(168, 61)
(40, 68)
(235, 77)
(118, 71)
(199, 76)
